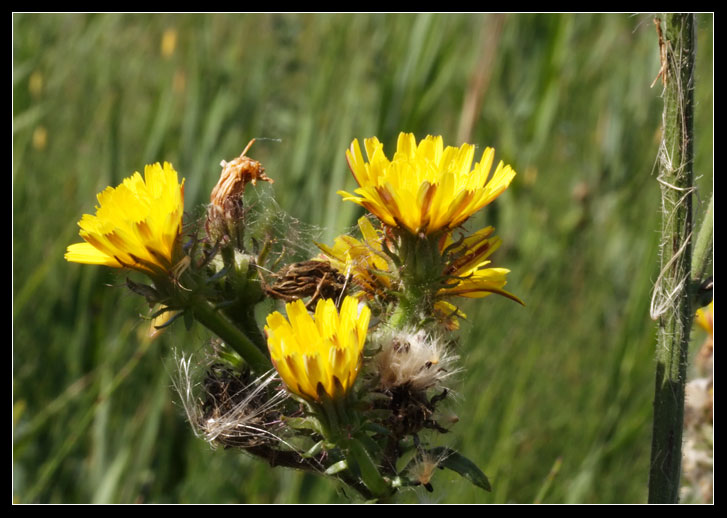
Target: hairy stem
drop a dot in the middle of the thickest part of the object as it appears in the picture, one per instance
(232, 336)
(672, 305)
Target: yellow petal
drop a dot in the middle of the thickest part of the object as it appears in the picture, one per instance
(323, 350)
(136, 224)
(393, 192)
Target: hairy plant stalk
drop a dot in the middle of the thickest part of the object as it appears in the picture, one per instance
(671, 303)
(232, 336)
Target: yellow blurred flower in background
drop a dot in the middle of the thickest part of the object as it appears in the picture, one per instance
(705, 318)
(168, 43)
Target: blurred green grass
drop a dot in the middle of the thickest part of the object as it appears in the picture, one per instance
(566, 381)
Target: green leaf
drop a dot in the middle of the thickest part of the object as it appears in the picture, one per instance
(188, 320)
(337, 467)
(313, 451)
(231, 357)
(305, 423)
(460, 464)
(369, 472)
(376, 428)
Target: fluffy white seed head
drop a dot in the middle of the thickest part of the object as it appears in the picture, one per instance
(414, 358)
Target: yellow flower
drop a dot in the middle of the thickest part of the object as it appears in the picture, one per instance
(365, 261)
(705, 318)
(467, 272)
(320, 354)
(169, 42)
(448, 314)
(136, 224)
(426, 187)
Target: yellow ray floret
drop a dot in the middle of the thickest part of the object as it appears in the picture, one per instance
(321, 353)
(136, 224)
(465, 267)
(364, 261)
(425, 187)
(467, 274)
(705, 318)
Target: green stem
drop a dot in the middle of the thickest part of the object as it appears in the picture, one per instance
(406, 313)
(672, 305)
(370, 475)
(243, 316)
(341, 427)
(231, 335)
(420, 274)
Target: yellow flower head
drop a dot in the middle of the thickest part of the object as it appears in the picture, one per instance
(467, 272)
(136, 224)
(425, 187)
(365, 260)
(705, 318)
(319, 354)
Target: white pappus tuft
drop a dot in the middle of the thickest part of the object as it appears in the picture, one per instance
(414, 358)
(244, 422)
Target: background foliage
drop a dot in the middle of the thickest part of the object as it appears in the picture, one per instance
(555, 403)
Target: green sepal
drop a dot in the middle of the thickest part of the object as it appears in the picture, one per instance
(168, 322)
(378, 413)
(149, 293)
(231, 358)
(305, 423)
(372, 447)
(376, 428)
(162, 310)
(217, 276)
(313, 450)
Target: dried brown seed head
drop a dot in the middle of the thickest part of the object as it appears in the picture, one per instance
(315, 279)
(235, 176)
